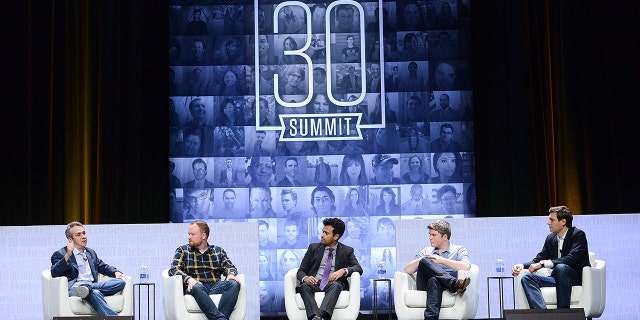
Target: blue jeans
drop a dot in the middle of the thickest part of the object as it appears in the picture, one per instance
(98, 291)
(563, 277)
(229, 290)
(433, 279)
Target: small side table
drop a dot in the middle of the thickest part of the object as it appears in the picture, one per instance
(501, 280)
(151, 296)
(375, 297)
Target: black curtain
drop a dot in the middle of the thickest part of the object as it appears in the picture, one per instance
(555, 93)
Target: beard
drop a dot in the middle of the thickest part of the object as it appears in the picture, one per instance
(194, 244)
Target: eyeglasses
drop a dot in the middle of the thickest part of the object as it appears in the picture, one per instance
(263, 166)
(449, 199)
(200, 197)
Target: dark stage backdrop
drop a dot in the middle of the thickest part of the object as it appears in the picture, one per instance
(554, 83)
(287, 113)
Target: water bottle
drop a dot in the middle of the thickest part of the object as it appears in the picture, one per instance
(500, 267)
(144, 274)
(382, 271)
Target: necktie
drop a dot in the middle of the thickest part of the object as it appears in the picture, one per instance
(327, 270)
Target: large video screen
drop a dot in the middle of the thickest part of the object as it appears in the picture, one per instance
(289, 112)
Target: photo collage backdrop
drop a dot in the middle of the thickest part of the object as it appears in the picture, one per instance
(286, 113)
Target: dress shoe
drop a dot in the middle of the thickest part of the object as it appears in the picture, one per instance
(461, 285)
(82, 290)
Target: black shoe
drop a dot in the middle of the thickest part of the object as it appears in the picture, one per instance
(82, 291)
(461, 285)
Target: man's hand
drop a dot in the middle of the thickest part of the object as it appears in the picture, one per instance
(535, 267)
(70, 247)
(120, 274)
(435, 258)
(337, 275)
(190, 283)
(233, 277)
(311, 280)
(515, 270)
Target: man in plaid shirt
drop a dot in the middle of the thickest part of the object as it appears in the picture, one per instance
(202, 266)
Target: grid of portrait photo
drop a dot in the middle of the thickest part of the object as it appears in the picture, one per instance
(239, 69)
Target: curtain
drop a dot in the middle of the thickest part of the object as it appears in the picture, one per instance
(85, 122)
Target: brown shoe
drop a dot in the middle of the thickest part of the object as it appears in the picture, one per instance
(461, 285)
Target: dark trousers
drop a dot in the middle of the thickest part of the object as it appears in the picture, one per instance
(433, 279)
(331, 294)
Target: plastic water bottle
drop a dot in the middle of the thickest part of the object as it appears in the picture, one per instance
(382, 270)
(500, 267)
(144, 274)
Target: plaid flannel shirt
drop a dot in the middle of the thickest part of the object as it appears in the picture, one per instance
(208, 266)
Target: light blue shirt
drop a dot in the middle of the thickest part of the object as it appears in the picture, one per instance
(84, 270)
(454, 252)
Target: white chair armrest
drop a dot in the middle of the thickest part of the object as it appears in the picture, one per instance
(402, 282)
(240, 309)
(290, 284)
(594, 283)
(173, 297)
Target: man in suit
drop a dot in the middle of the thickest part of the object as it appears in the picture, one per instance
(81, 266)
(199, 168)
(350, 82)
(565, 251)
(229, 177)
(323, 173)
(446, 142)
(290, 172)
(341, 261)
(374, 79)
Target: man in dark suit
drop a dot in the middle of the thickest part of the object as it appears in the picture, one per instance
(350, 82)
(290, 172)
(199, 167)
(329, 253)
(229, 177)
(81, 266)
(565, 251)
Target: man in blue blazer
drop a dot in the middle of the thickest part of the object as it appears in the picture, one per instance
(81, 266)
(338, 258)
(565, 251)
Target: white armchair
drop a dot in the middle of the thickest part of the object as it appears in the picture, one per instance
(410, 303)
(347, 307)
(56, 301)
(178, 306)
(591, 295)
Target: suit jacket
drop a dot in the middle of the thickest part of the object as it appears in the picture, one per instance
(575, 250)
(347, 86)
(285, 182)
(191, 184)
(344, 257)
(69, 269)
(237, 178)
